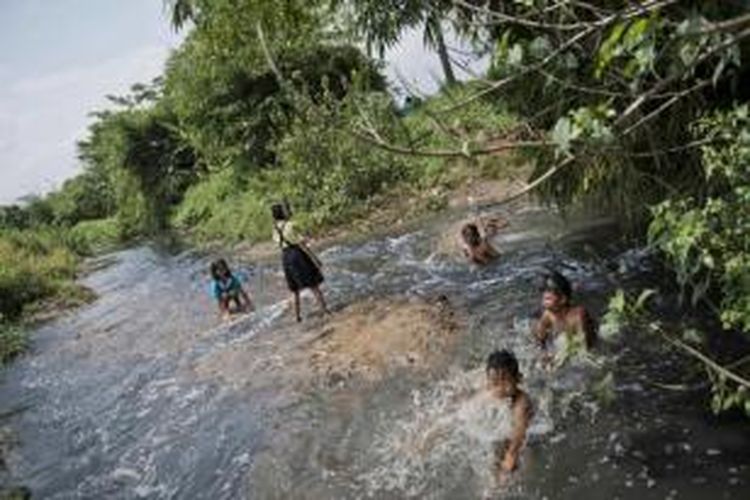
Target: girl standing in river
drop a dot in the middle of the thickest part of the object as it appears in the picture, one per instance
(302, 268)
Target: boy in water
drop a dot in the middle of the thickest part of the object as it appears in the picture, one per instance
(561, 317)
(476, 246)
(503, 378)
(226, 288)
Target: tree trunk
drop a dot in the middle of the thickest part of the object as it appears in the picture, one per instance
(442, 51)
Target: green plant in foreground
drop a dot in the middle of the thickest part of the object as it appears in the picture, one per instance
(707, 239)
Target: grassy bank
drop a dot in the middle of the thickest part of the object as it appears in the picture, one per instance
(38, 268)
(338, 178)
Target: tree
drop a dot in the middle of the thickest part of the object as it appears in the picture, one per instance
(181, 12)
(382, 23)
(637, 108)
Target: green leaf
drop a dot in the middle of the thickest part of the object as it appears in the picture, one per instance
(608, 50)
(617, 301)
(562, 134)
(643, 297)
(515, 55)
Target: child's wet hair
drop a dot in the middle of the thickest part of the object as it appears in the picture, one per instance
(280, 211)
(556, 282)
(504, 361)
(470, 234)
(217, 266)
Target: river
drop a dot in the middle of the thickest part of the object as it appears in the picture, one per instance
(145, 394)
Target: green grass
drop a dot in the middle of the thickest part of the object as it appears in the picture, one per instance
(95, 236)
(333, 180)
(225, 208)
(33, 265)
(37, 275)
(13, 341)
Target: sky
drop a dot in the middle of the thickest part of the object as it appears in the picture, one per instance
(60, 58)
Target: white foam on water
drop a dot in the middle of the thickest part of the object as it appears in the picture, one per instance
(452, 429)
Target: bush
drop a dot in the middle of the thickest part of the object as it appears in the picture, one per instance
(470, 125)
(328, 178)
(13, 340)
(204, 198)
(329, 175)
(706, 238)
(33, 264)
(225, 207)
(94, 236)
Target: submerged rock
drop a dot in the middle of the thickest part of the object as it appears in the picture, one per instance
(365, 341)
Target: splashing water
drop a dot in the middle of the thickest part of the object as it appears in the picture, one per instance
(116, 400)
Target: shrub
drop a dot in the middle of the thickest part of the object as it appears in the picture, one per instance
(327, 178)
(94, 236)
(32, 266)
(13, 340)
(225, 207)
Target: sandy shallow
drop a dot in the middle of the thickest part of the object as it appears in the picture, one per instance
(363, 342)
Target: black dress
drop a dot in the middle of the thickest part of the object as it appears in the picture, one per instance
(300, 270)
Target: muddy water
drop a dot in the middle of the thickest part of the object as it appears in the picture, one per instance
(145, 394)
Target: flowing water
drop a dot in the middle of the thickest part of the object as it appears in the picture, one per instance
(144, 394)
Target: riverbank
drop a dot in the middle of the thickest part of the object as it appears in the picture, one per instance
(41, 266)
(397, 210)
(38, 272)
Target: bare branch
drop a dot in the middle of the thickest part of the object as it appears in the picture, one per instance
(710, 363)
(501, 83)
(503, 18)
(372, 137)
(267, 54)
(665, 106)
(675, 149)
(532, 185)
(656, 89)
(724, 26)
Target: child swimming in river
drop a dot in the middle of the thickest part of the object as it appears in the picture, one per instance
(503, 379)
(561, 319)
(227, 289)
(476, 246)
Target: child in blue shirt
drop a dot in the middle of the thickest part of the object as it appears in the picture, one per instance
(226, 288)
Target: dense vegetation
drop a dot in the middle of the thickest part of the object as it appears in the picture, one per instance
(638, 108)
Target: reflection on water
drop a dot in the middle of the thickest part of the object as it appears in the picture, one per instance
(117, 401)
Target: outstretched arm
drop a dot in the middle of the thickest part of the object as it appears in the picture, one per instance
(492, 225)
(522, 413)
(542, 329)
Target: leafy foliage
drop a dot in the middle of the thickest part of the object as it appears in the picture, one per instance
(13, 341)
(33, 265)
(707, 236)
(145, 160)
(328, 177)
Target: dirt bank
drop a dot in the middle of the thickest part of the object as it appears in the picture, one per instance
(362, 343)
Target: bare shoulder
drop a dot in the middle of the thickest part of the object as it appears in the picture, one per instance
(522, 406)
(579, 313)
(585, 323)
